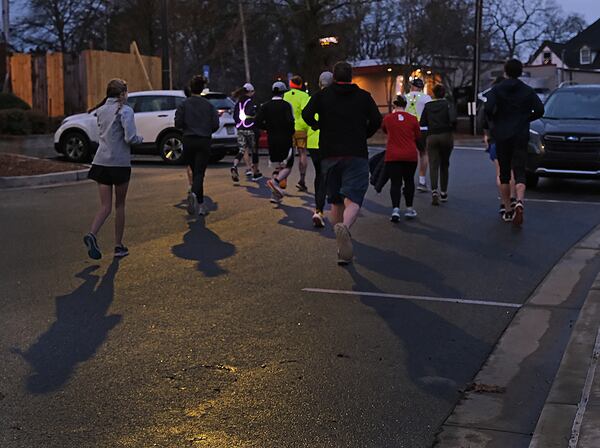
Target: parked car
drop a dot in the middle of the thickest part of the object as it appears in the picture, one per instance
(77, 136)
(566, 140)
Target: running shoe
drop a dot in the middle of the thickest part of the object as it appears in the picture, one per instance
(518, 214)
(257, 176)
(275, 199)
(410, 213)
(318, 219)
(435, 198)
(301, 186)
(192, 203)
(344, 243)
(513, 203)
(502, 210)
(443, 197)
(202, 210)
(235, 176)
(249, 173)
(121, 251)
(92, 246)
(275, 189)
(422, 187)
(395, 215)
(508, 216)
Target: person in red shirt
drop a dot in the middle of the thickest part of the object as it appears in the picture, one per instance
(401, 156)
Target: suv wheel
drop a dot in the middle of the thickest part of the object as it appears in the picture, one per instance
(76, 146)
(170, 148)
(531, 179)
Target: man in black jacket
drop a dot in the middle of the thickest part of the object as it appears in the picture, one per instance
(511, 106)
(347, 117)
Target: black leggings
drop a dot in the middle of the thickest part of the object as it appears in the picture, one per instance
(320, 190)
(512, 158)
(196, 152)
(401, 173)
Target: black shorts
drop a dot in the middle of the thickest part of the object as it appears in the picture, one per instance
(281, 154)
(346, 178)
(110, 175)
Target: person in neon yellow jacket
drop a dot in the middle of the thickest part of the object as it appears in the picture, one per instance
(298, 98)
(325, 80)
(416, 100)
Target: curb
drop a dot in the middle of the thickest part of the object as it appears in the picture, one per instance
(43, 179)
(537, 364)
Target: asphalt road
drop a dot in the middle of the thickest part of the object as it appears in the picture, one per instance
(205, 336)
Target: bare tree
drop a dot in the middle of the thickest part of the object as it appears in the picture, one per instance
(63, 25)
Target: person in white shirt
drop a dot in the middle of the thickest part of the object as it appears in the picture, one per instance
(416, 100)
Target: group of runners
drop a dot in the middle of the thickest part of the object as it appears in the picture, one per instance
(332, 126)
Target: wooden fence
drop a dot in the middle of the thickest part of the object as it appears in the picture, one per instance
(57, 84)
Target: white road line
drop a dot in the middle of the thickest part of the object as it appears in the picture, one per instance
(585, 395)
(470, 148)
(560, 201)
(416, 298)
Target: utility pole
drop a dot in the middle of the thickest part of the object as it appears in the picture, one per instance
(166, 57)
(477, 59)
(244, 42)
(6, 34)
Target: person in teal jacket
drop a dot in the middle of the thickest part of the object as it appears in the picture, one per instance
(325, 80)
(298, 98)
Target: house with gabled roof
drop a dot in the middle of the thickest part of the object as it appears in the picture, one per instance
(577, 60)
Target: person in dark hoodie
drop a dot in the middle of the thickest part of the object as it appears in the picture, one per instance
(277, 118)
(511, 106)
(244, 114)
(198, 119)
(440, 119)
(347, 117)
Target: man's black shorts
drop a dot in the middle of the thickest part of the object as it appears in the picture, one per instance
(346, 177)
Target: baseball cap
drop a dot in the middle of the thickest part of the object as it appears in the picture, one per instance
(418, 83)
(279, 87)
(248, 87)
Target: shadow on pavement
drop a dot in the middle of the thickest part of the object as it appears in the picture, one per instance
(432, 343)
(210, 205)
(82, 325)
(204, 246)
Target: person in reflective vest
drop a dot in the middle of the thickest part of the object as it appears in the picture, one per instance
(416, 100)
(298, 98)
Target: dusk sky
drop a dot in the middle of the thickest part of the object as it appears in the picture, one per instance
(590, 9)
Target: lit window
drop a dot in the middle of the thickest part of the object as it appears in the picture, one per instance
(585, 56)
(547, 58)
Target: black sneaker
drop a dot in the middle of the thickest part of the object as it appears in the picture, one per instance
(444, 197)
(92, 246)
(435, 199)
(301, 186)
(257, 176)
(235, 176)
(508, 216)
(121, 251)
(501, 210)
(513, 203)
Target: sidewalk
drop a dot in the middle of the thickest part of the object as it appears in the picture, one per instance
(540, 387)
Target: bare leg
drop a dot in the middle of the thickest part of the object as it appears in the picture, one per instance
(337, 213)
(520, 190)
(302, 163)
(105, 192)
(283, 173)
(497, 175)
(120, 195)
(190, 175)
(505, 195)
(513, 187)
(247, 160)
(351, 211)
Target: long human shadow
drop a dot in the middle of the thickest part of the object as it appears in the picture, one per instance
(81, 327)
(204, 246)
(258, 189)
(210, 205)
(442, 358)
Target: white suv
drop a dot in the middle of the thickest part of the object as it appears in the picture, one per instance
(77, 136)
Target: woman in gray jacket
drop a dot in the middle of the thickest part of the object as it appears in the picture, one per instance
(112, 163)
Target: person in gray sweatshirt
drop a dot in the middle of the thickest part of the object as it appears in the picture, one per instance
(111, 166)
(198, 119)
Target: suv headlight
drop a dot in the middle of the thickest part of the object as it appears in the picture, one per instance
(536, 141)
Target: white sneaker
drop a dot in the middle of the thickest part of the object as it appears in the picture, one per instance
(202, 211)
(395, 215)
(410, 213)
(344, 243)
(192, 203)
